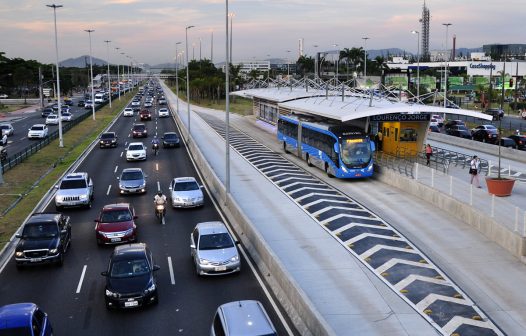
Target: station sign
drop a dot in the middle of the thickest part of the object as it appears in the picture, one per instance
(401, 117)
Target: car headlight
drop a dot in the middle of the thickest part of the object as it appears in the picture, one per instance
(203, 261)
(83, 197)
(101, 142)
(112, 294)
(128, 232)
(234, 258)
(19, 254)
(150, 289)
(53, 251)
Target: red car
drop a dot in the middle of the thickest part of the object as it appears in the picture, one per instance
(145, 115)
(116, 224)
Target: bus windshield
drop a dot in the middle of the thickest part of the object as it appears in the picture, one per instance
(355, 152)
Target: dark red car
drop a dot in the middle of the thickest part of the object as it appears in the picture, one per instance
(116, 224)
(145, 115)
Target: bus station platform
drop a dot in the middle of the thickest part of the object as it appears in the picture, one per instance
(330, 285)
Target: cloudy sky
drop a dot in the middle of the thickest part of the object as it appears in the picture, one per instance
(147, 30)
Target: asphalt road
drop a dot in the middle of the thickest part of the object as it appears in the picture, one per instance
(73, 295)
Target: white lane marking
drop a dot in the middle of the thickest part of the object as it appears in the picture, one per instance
(116, 167)
(122, 153)
(157, 166)
(258, 278)
(108, 191)
(170, 268)
(81, 278)
(158, 185)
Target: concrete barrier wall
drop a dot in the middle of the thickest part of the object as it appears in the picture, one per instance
(509, 240)
(507, 153)
(307, 320)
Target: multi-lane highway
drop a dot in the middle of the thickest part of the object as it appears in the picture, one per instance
(73, 295)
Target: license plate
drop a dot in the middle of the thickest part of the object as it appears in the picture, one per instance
(132, 190)
(115, 239)
(131, 304)
(220, 268)
(36, 259)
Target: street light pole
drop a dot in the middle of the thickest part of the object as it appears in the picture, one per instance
(227, 100)
(108, 62)
(288, 65)
(89, 31)
(418, 63)
(447, 60)
(177, 75)
(337, 61)
(212, 46)
(118, 75)
(315, 61)
(60, 138)
(187, 81)
(365, 58)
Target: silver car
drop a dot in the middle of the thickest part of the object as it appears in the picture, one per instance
(132, 181)
(213, 249)
(185, 192)
(75, 190)
(246, 317)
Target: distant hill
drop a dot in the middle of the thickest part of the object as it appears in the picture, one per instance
(81, 62)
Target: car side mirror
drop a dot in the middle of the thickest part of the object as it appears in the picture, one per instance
(118, 177)
(201, 186)
(56, 186)
(96, 220)
(105, 273)
(64, 231)
(156, 268)
(135, 217)
(18, 235)
(237, 242)
(192, 246)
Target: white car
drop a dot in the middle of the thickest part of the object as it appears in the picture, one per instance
(439, 119)
(433, 122)
(38, 131)
(147, 104)
(128, 112)
(3, 140)
(3, 96)
(7, 129)
(52, 119)
(163, 112)
(135, 151)
(136, 103)
(66, 116)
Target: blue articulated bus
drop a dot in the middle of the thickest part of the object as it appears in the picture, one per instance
(340, 150)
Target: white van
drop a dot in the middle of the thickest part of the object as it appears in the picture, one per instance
(99, 98)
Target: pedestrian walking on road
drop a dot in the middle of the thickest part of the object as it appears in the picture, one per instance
(474, 166)
(429, 152)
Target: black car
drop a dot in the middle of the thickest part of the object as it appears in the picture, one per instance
(451, 123)
(47, 111)
(130, 280)
(496, 113)
(45, 238)
(139, 131)
(108, 139)
(507, 142)
(520, 140)
(81, 103)
(170, 139)
(460, 131)
(486, 135)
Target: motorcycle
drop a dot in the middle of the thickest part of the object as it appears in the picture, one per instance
(159, 212)
(155, 148)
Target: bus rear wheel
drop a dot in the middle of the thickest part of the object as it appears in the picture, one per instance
(327, 170)
(285, 147)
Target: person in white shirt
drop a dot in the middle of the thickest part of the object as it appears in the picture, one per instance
(474, 167)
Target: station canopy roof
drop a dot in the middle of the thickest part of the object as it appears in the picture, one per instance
(352, 106)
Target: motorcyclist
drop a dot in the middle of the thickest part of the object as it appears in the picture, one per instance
(160, 199)
(155, 143)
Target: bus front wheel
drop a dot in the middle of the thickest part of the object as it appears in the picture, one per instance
(327, 170)
(285, 147)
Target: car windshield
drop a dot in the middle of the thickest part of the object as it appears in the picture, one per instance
(186, 186)
(40, 230)
(107, 136)
(129, 268)
(37, 128)
(113, 216)
(4, 127)
(355, 153)
(132, 175)
(73, 184)
(170, 136)
(135, 147)
(139, 128)
(215, 241)
(462, 128)
(491, 127)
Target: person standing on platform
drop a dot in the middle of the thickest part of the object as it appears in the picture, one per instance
(474, 166)
(429, 152)
(380, 140)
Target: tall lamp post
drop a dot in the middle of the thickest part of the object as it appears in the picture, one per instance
(187, 81)
(447, 60)
(417, 64)
(60, 138)
(89, 31)
(177, 74)
(288, 65)
(108, 62)
(227, 100)
(335, 45)
(118, 76)
(315, 61)
(212, 46)
(365, 58)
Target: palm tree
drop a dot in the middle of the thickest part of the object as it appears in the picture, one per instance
(305, 64)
